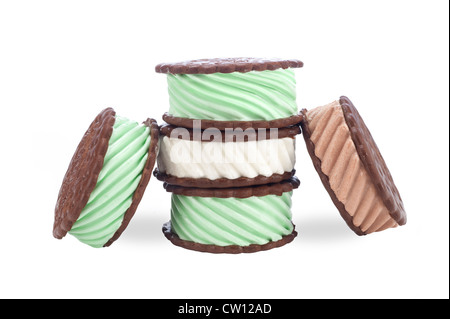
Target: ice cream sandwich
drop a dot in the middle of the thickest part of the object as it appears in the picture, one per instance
(351, 167)
(106, 179)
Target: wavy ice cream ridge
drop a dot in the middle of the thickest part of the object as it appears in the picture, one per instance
(232, 221)
(236, 96)
(213, 160)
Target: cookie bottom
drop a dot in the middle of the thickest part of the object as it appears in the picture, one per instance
(232, 249)
(223, 125)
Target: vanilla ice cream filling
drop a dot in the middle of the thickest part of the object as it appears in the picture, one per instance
(231, 160)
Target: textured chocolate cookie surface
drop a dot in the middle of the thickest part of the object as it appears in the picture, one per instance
(145, 178)
(82, 174)
(233, 136)
(221, 182)
(373, 161)
(223, 125)
(226, 65)
(232, 249)
(237, 192)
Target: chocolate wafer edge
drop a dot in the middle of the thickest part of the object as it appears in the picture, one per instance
(237, 192)
(232, 249)
(226, 65)
(373, 161)
(222, 125)
(221, 182)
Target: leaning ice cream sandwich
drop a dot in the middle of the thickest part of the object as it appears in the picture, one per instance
(351, 167)
(106, 179)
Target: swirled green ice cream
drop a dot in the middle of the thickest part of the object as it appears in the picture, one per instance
(121, 173)
(232, 221)
(250, 96)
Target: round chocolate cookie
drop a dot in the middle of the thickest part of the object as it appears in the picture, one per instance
(373, 161)
(82, 174)
(226, 65)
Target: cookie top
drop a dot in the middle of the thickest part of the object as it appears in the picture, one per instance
(82, 174)
(373, 161)
(223, 125)
(226, 65)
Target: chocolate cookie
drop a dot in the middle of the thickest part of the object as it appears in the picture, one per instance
(221, 182)
(223, 125)
(237, 192)
(231, 249)
(231, 136)
(226, 65)
(351, 167)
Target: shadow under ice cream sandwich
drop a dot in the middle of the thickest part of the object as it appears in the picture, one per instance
(351, 167)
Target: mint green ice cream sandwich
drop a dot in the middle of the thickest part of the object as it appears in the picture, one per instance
(219, 91)
(106, 179)
(232, 220)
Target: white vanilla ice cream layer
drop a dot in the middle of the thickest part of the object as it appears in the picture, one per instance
(231, 160)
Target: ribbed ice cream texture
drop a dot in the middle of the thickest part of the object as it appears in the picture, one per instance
(250, 96)
(121, 173)
(229, 160)
(232, 221)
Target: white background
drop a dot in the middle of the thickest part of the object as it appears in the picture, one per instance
(62, 62)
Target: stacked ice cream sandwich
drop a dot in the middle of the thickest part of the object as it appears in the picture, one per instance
(227, 153)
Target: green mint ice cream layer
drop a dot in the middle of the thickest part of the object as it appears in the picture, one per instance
(232, 221)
